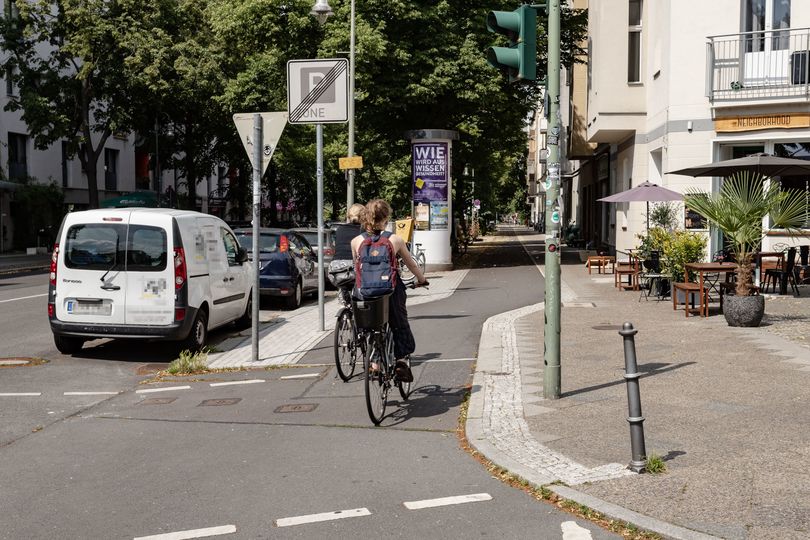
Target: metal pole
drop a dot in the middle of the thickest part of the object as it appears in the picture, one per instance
(319, 172)
(636, 420)
(258, 143)
(350, 183)
(551, 373)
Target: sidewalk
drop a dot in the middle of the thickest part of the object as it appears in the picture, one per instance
(20, 262)
(726, 408)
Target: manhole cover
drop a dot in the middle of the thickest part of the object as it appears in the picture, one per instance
(296, 407)
(158, 401)
(219, 402)
(616, 327)
(148, 369)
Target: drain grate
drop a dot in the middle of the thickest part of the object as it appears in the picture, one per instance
(222, 402)
(616, 327)
(296, 407)
(158, 401)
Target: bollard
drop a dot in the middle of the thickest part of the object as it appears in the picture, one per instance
(631, 375)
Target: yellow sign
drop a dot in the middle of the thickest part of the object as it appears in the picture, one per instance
(419, 183)
(765, 121)
(354, 162)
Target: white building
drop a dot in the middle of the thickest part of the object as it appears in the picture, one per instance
(677, 83)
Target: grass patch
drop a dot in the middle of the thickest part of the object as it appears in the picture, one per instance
(655, 464)
(189, 362)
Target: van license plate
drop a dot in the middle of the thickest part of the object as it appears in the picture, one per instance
(89, 308)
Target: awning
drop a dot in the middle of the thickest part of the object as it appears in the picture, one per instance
(137, 199)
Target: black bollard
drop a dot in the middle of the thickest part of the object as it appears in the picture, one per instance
(631, 375)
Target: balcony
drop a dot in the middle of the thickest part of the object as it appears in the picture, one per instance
(762, 65)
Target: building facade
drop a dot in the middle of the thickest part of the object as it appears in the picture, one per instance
(678, 83)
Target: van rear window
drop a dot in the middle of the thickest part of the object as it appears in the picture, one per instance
(102, 246)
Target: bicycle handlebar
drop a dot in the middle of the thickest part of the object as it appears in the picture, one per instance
(412, 284)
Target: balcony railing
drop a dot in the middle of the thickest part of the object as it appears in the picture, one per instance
(772, 64)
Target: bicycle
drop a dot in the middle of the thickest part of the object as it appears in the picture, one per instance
(371, 318)
(418, 255)
(347, 339)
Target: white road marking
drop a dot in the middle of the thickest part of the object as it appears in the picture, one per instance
(91, 393)
(167, 389)
(195, 533)
(20, 394)
(572, 531)
(436, 360)
(13, 362)
(326, 516)
(302, 376)
(447, 501)
(23, 298)
(232, 383)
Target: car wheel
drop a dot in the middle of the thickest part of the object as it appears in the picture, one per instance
(67, 344)
(246, 320)
(198, 334)
(294, 301)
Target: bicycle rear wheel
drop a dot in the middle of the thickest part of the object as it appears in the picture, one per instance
(405, 387)
(420, 260)
(345, 346)
(376, 388)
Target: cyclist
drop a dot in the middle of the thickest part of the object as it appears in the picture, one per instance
(341, 268)
(378, 212)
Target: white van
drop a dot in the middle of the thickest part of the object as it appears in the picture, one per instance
(145, 273)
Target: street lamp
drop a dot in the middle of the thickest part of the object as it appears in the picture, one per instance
(322, 11)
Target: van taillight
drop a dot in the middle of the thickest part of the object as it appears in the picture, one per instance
(51, 311)
(54, 258)
(283, 244)
(179, 314)
(180, 274)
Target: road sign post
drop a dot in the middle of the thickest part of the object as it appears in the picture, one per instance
(260, 133)
(318, 93)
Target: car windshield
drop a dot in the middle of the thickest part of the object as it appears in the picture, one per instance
(267, 242)
(312, 238)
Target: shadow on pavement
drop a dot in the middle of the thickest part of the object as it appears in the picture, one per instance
(646, 370)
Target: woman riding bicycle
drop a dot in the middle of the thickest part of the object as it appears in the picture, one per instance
(341, 268)
(377, 214)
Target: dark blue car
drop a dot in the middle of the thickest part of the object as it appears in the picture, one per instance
(288, 263)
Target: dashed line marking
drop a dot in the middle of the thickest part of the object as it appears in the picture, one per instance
(167, 389)
(193, 533)
(326, 516)
(233, 383)
(23, 298)
(302, 376)
(20, 394)
(437, 360)
(572, 531)
(91, 393)
(447, 501)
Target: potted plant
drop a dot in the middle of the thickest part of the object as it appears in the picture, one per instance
(739, 210)
(679, 249)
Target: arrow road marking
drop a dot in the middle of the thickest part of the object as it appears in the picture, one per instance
(326, 516)
(446, 501)
(195, 533)
(313, 96)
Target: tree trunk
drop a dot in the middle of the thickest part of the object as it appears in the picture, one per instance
(191, 167)
(744, 279)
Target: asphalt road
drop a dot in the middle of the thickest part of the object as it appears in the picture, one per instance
(249, 457)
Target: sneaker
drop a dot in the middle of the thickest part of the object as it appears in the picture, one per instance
(403, 371)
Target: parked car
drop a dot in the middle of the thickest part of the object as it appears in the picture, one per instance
(311, 234)
(145, 273)
(288, 263)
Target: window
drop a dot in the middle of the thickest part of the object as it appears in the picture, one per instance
(146, 250)
(110, 169)
(12, 12)
(17, 156)
(231, 247)
(65, 162)
(268, 242)
(9, 81)
(634, 42)
(796, 150)
(95, 246)
(760, 16)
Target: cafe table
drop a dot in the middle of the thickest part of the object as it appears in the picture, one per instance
(707, 268)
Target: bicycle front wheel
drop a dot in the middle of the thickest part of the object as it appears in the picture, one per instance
(345, 346)
(420, 260)
(376, 391)
(405, 387)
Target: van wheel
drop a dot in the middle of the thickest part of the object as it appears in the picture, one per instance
(68, 344)
(294, 301)
(198, 334)
(246, 320)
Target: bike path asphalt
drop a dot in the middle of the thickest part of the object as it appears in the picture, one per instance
(725, 408)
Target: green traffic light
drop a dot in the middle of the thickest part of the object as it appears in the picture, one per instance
(519, 59)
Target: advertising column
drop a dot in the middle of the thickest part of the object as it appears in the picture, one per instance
(432, 194)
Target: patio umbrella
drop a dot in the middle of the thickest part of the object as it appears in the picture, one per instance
(645, 192)
(763, 164)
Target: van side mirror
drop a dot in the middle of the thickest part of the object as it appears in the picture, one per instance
(241, 255)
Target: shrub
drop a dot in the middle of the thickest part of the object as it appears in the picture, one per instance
(680, 249)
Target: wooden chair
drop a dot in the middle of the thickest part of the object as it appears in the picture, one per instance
(689, 290)
(783, 276)
(631, 270)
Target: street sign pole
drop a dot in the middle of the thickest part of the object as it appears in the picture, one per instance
(551, 373)
(258, 144)
(319, 174)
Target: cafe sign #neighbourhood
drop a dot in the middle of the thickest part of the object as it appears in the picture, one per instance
(431, 161)
(760, 122)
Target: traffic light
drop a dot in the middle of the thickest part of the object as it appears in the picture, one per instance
(519, 60)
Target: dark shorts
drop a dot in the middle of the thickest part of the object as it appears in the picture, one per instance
(404, 342)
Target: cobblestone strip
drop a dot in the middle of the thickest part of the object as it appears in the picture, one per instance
(495, 422)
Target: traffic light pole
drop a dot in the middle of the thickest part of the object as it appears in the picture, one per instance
(551, 372)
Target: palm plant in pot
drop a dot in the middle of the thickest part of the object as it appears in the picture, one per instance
(739, 210)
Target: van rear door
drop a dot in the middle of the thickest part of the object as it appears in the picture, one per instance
(91, 281)
(150, 270)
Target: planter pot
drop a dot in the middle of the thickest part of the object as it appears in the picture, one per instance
(743, 310)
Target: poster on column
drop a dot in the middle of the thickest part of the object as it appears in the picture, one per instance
(430, 172)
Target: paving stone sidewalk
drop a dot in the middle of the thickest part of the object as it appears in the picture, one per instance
(726, 408)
